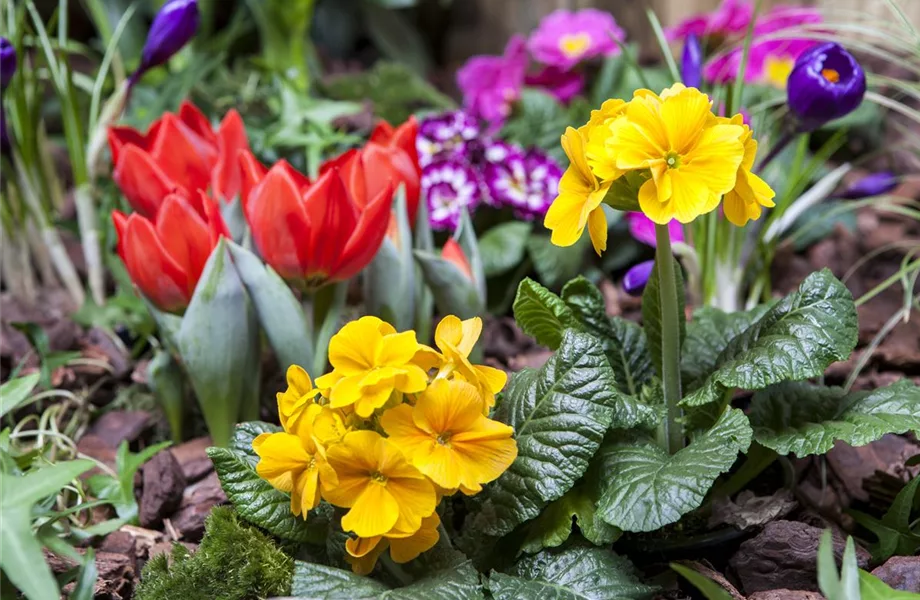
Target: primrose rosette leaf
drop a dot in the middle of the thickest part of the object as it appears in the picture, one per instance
(319, 582)
(794, 340)
(542, 314)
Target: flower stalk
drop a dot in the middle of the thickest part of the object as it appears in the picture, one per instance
(670, 339)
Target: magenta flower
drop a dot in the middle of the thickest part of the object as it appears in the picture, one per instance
(490, 84)
(642, 229)
(564, 85)
(732, 17)
(563, 39)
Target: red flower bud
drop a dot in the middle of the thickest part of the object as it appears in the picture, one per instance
(453, 253)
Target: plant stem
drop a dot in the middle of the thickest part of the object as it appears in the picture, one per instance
(670, 338)
(328, 302)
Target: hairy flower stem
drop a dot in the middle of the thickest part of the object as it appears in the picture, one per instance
(670, 339)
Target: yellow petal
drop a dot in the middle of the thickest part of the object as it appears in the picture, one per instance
(564, 217)
(597, 230)
(411, 379)
(574, 146)
(427, 358)
(396, 349)
(352, 350)
(716, 158)
(404, 549)
(374, 512)
(494, 379)
(690, 197)
(298, 380)
(279, 454)
(642, 138)
(658, 212)
(365, 564)
(359, 547)
(461, 335)
(684, 114)
(448, 406)
(416, 500)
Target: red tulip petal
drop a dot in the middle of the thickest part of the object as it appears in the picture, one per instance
(404, 138)
(383, 133)
(278, 222)
(302, 181)
(231, 140)
(142, 181)
(120, 220)
(351, 169)
(157, 275)
(183, 154)
(251, 174)
(453, 253)
(332, 217)
(216, 224)
(383, 164)
(191, 116)
(365, 241)
(185, 237)
(120, 137)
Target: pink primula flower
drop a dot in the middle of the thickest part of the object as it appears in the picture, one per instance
(564, 38)
(564, 85)
(490, 84)
(642, 229)
(732, 17)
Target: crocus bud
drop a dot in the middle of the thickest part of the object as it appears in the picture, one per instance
(635, 279)
(172, 29)
(826, 83)
(7, 62)
(875, 184)
(691, 64)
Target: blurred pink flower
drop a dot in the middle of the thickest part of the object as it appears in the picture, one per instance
(643, 229)
(732, 17)
(564, 85)
(490, 84)
(564, 38)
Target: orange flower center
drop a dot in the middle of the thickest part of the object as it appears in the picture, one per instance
(831, 75)
(574, 45)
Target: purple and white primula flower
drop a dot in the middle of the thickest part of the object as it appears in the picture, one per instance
(445, 135)
(524, 181)
(449, 187)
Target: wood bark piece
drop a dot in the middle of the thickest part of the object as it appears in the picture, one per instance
(164, 483)
(193, 458)
(197, 502)
(901, 573)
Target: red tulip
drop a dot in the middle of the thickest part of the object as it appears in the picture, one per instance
(166, 255)
(312, 233)
(453, 253)
(179, 154)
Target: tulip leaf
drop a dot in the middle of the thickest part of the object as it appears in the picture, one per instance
(651, 311)
(280, 313)
(466, 238)
(796, 339)
(503, 247)
(389, 279)
(219, 345)
(625, 342)
(805, 419)
(454, 293)
(577, 573)
(560, 414)
(646, 488)
(556, 264)
(319, 582)
(254, 498)
(542, 314)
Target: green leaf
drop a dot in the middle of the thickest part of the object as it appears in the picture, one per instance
(246, 432)
(575, 574)
(503, 247)
(893, 531)
(254, 498)
(796, 339)
(538, 120)
(648, 489)
(560, 414)
(624, 192)
(709, 588)
(805, 419)
(319, 582)
(873, 588)
(556, 264)
(454, 293)
(39, 483)
(392, 272)
(542, 314)
(15, 392)
(624, 342)
(845, 584)
(395, 36)
(651, 312)
(86, 581)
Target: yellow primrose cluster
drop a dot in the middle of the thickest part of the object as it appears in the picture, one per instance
(392, 429)
(688, 157)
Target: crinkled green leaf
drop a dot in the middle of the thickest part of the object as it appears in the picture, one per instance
(796, 339)
(254, 498)
(503, 247)
(578, 573)
(651, 312)
(804, 419)
(648, 489)
(319, 582)
(624, 342)
(542, 314)
(245, 433)
(560, 414)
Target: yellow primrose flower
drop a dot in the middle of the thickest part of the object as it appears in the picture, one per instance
(579, 200)
(404, 546)
(293, 402)
(446, 437)
(380, 487)
(456, 339)
(370, 362)
(596, 133)
(294, 463)
(331, 425)
(693, 158)
(744, 201)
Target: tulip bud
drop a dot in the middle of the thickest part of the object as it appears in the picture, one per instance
(7, 62)
(826, 83)
(172, 28)
(875, 184)
(691, 65)
(635, 279)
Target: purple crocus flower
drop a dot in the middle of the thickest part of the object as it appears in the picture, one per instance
(7, 62)
(826, 83)
(172, 28)
(691, 64)
(564, 85)
(642, 229)
(564, 38)
(445, 135)
(449, 187)
(637, 277)
(875, 184)
(490, 84)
